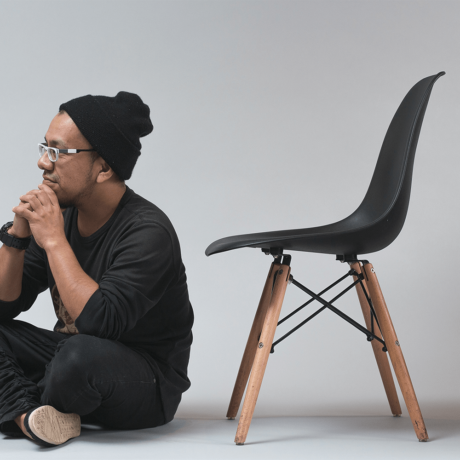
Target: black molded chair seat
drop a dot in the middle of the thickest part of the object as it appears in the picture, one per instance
(381, 215)
(346, 237)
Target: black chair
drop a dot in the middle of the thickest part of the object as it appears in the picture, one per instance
(373, 226)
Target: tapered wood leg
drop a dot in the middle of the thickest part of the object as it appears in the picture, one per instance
(263, 351)
(251, 345)
(380, 356)
(395, 352)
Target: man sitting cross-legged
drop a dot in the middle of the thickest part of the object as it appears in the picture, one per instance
(119, 352)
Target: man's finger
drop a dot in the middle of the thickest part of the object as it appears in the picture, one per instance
(50, 192)
(27, 201)
(22, 211)
(26, 198)
(44, 197)
(38, 207)
(31, 192)
(37, 197)
(24, 203)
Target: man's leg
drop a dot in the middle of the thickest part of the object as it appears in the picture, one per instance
(104, 378)
(25, 350)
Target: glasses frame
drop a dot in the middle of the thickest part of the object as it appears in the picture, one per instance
(58, 151)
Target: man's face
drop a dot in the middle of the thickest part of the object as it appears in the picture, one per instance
(71, 177)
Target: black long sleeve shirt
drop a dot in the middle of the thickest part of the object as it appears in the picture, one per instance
(142, 300)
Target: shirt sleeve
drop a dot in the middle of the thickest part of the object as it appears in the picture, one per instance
(141, 270)
(34, 281)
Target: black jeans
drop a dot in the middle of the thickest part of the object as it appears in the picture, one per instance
(102, 380)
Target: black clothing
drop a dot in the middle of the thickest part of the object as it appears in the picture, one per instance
(102, 380)
(142, 300)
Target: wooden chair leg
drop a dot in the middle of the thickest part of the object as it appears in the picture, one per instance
(394, 350)
(251, 345)
(263, 351)
(380, 356)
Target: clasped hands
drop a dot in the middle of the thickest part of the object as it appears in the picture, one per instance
(39, 210)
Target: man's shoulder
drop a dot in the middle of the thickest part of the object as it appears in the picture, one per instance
(142, 212)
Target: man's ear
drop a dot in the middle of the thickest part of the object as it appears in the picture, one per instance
(105, 171)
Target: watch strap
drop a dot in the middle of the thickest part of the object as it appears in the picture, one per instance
(10, 240)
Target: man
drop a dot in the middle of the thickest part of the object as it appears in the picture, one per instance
(119, 351)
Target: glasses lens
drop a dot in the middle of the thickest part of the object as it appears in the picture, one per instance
(52, 153)
(41, 150)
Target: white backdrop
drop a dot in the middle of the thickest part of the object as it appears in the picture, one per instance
(268, 115)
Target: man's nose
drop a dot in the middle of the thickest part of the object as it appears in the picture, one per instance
(44, 163)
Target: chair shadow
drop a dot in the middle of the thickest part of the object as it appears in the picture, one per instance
(269, 429)
(365, 428)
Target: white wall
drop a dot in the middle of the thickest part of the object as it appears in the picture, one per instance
(268, 115)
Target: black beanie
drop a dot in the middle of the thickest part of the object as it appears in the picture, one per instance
(113, 126)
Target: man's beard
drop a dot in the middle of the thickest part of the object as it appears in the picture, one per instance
(75, 201)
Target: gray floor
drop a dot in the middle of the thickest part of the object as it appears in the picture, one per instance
(326, 437)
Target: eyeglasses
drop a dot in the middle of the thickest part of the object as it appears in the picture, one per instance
(53, 153)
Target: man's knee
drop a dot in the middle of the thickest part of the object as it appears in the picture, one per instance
(68, 377)
(72, 361)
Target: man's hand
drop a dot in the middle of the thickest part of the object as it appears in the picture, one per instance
(21, 227)
(41, 210)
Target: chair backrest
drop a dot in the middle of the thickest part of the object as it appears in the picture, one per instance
(386, 202)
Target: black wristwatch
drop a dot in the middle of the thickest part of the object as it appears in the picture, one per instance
(12, 241)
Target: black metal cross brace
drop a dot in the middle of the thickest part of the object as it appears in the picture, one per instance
(370, 334)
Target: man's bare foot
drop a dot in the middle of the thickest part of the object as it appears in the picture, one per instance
(20, 422)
